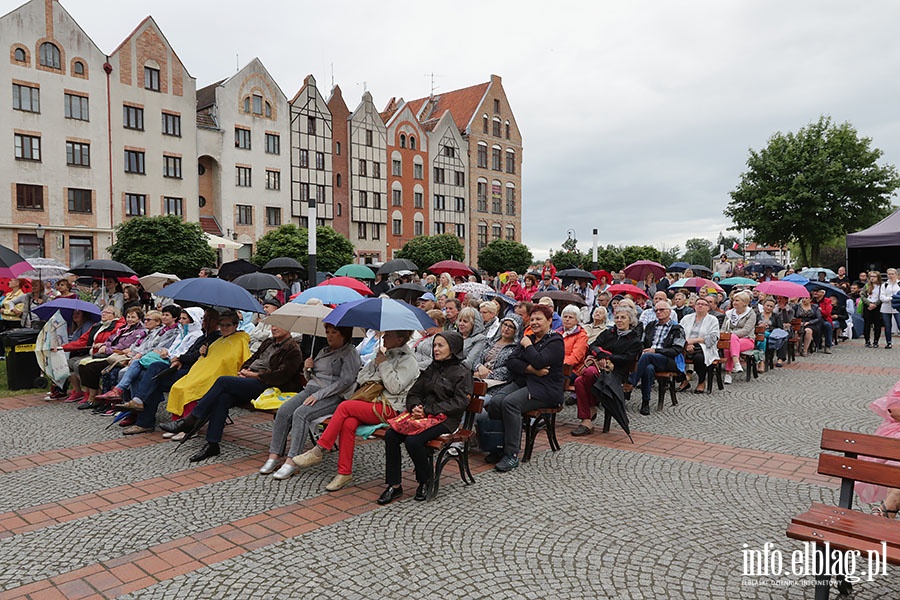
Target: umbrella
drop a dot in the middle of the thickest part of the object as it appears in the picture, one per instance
(559, 296)
(348, 282)
(66, 306)
(762, 265)
(45, 268)
(300, 318)
(600, 273)
(355, 271)
(502, 297)
(236, 268)
(678, 267)
(12, 264)
(101, 269)
(454, 267)
(697, 283)
(638, 270)
(380, 314)
(398, 264)
(573, 274)
(258, 282)
(283, 264)
(796, 278)
(627, 288)
(209, 291)
(813, 273)
(53, 335)
(830, 290)
(700, 269)
(733, 281)
(407, 292)
(788, 289)
(612, 398)
(472, 287)
(328, 294)
(157, 281)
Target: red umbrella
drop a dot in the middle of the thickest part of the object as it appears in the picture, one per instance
(132, 279)
(353, 284)
(602, 273)
(638, 270)
(788, 289)
(454, 267)
(627, 288)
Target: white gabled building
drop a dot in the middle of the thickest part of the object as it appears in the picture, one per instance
(449, 167)
(368, 181)
(311, 154)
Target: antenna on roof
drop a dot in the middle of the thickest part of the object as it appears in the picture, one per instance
(332, 75)
(433, 87)
(365, 89)
(237, 62)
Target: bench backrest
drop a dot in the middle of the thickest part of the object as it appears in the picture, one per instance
(476, 403)
(852, 469)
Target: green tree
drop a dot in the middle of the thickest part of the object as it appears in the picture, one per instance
(505, 255)
(810, 186)
(165, 244)
(632, 254)
(610, 258)
(667, 257)
(570, 256)
(332, 249)
(427, 250)
(698, 251)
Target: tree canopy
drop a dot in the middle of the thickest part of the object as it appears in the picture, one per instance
(427, 250)
(165, 244)
(698, 251)
(810, 186)
(332, 249)
(505, 255)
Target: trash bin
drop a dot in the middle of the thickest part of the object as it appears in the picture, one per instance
(22, 370)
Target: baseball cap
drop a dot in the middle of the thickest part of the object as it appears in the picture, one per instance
(427, 296)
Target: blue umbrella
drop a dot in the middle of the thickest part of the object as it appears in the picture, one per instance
(210, 291)
(813, 273)
(796, 278)
(380, 314)
(500, 297)
(329, 294)
(678, 267)
(830, 290)
(67, 306)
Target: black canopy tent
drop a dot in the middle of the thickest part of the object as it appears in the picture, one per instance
(876, 248)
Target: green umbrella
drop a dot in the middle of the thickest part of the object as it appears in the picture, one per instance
(738, 281)
(356, 271)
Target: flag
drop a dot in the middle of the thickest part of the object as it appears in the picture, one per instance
(735, 246)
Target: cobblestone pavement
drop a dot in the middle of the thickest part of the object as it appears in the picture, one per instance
(85, 513)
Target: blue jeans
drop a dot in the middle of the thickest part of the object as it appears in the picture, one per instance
(889, 320)
(226, 392)
(128, 375)
(828, 330)
(647, 367)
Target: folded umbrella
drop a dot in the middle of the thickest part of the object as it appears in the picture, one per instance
(53, 335)
(380, 314)
(209, 291)
(611, 396)
(502, 297)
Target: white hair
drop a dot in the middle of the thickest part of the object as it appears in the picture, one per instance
(571, 309)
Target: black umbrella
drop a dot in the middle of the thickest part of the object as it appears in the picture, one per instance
(563, 297)
(236, 268)
(257, 282)
(608, 390)
(408, 292)
(398, 264)
(678, 267)
(283, 264)
(700, 269)
(830, 290)
(102, 269)
(568, 275)
(762, 265)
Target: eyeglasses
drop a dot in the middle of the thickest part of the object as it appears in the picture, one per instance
(149, 319)
(661, 310)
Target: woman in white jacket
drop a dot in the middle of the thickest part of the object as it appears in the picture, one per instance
(701, 331)
(890, 316)
(394, 367)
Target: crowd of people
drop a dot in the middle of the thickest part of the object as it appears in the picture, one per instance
(202, 362)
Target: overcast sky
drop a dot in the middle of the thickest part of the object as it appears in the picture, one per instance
(636, 116)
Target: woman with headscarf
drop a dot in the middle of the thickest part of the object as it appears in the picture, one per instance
(422, 347)
(491, 365)
(471, 328)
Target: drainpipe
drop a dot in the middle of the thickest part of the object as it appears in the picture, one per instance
(107, 68)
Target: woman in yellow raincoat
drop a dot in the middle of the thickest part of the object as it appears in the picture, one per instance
(223, 357)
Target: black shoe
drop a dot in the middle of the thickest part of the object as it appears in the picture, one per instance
(89, 406)
(868, 345)
(389, 495)
(888, 346)
(493, 457)
(582, 430)
(179, 426)
(208, 450)
(422, 492)
(645, 408)
(571, 401)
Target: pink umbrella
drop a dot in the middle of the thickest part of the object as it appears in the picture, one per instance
(353, 284)
(638, 270)
(788, 289)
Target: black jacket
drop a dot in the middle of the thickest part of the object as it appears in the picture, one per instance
(444, 386)
(625, 350)
(285, 365)
(550, 352)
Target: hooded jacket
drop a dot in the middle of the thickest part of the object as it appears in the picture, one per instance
(187, 334)
(499, 370)
(444, 386)
(475, 343)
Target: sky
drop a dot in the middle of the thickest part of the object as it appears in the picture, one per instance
(637, 117)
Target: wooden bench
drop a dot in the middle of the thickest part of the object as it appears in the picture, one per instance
(842, 528)
(749, 356)
(795, 341)
(715, 369)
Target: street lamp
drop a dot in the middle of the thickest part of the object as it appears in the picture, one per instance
(311, 229)
(40, 231)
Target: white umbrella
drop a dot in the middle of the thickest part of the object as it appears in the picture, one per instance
(473, 287)
(303, 318)
(46, 268)
(157, 281)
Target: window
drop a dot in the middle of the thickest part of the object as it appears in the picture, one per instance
(482, 235)
(376, 170)
(459, 204)
(76, 107)
(273, 180)
(29, 246)
(78, 154)
(440, 228)
(449, 151)
(135, 205)
(397, 227)
(511, 233)
(496, 128)
(402, 141)
(81, 249)
(418, 228)
(361, 231)
(460, 230)
(482, 156)
(337, 180)
(412, 142)
(507, 130)
(496, 200)
(49, 55)
(495, 232)
(510, 161)
(396, 169)
(241, 138)
(244, 214)
(418, 200)
(484, 124)
(26, 98)
(376, 231)
(440, 202)
(257, 104)
(320, 194)
(376, 199)
(172, 167)
(438, 175)
(78, 68)
(304, 192)
(511, 201)
(151, 79)
(134, 162)
(29, 197)
(247, 104)
(340, 209)
(482, 196)
(496, 106)
(20, 55)
(363, 199)
(418, 171)
(273, 143)
(320, 161)
(171, 124)
(311, 125)
(397, 197)
(304, 158)
(268, 110)
(273, 216)
(495, 159)
(133, 117)
(79, 200)
(368, 137)
(243, 176)
(362, 167)
(460, 178)
(173, 206)
(28, 147)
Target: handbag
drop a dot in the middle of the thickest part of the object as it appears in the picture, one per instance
(151, 358)
(371, 391)
(405, 424)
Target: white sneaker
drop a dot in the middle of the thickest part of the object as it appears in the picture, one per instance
(738, 368)
(727, 378)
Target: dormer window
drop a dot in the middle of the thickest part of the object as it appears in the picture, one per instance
(151, 78)
(257, 104)
(49, 55)
(402, 141)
